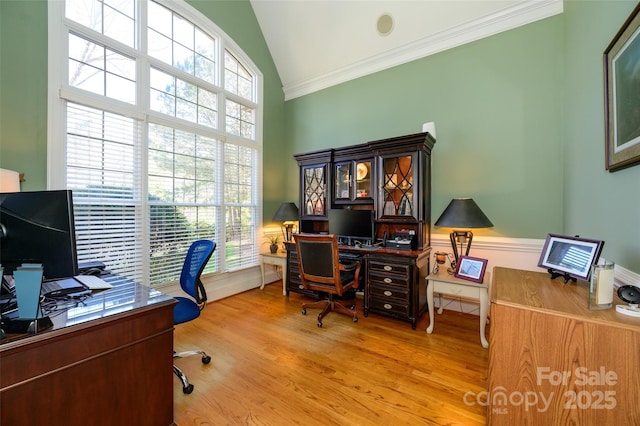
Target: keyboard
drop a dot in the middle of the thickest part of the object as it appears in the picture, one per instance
(92, 282)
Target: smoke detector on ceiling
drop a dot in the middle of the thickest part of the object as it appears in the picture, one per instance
(385, 24)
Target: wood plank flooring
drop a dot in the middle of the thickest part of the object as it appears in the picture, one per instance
(271, 365)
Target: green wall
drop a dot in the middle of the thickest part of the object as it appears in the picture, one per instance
(497, 105)
(519, 122)
(597, 203)
(23, 89)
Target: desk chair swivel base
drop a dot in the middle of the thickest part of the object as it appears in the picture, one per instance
(346, 307)
(187, 387)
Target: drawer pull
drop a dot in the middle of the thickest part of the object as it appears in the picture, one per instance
(387, 280)
(387, 306)
(388, 293)
(387, 268)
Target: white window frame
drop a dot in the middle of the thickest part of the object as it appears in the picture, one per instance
(59, 92)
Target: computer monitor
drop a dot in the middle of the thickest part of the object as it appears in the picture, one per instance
(38, 227)
(354, 224)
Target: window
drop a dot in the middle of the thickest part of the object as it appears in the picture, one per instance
(135, 121)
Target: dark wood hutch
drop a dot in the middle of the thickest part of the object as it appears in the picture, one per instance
(392, 178)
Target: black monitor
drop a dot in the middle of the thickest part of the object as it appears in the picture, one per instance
(353, 224)
(38, 227)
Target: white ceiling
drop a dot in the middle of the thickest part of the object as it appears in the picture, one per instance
(320, 43)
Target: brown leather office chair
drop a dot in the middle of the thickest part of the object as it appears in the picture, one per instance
(321, 271)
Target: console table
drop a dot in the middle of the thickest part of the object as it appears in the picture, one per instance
(277, 259)
(443, 283)
(107, 360)
(553, 361)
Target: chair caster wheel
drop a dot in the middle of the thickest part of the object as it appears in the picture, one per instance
(206, 359)
(304, 311)
(319, 324)
(187, 389)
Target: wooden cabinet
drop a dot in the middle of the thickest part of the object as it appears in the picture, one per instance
(404, 187)
(553, 361)
(391, 177)
(396, 286)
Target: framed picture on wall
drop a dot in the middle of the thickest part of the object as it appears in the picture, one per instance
(622, 103)
(471, 268)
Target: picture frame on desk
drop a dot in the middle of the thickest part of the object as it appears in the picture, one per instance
(569, 256)
(622, 106)
(471, 268)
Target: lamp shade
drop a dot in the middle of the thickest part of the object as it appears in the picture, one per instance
(9, 181)
(286, 212)
(463, 213)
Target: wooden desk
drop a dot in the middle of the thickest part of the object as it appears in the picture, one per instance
(570, 364)
(106, 361)
(443, 283)
(278, 259)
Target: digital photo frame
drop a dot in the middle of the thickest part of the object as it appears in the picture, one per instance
(569, 257)
(471, 268)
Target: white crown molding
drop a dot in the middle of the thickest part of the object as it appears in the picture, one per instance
(515, 16)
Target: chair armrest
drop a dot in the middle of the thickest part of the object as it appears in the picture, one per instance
(350, 267)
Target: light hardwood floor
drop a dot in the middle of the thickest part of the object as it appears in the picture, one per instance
(271, 365)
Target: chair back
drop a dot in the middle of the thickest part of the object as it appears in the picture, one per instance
(320, 268)
(197, 257)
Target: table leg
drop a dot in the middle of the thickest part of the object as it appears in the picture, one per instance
(284, 279)
(430, 306)
(262, 272)
(484, 311)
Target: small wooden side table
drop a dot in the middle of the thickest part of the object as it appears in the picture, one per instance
(278, 259)
(443, 283)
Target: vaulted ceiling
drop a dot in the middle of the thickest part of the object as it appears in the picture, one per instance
(320, 43)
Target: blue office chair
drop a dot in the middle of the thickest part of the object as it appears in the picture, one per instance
(187, 308)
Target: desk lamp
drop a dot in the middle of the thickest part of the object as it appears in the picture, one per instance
(288, 215)
(462, 213)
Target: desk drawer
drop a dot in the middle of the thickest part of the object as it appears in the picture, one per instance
(386, 268)
(458, 290)
(392, 306)
(388, 292)
(388, 280)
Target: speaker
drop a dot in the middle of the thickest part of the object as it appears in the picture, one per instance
(631, 295)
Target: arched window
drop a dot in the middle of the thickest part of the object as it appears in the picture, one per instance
(154, 123)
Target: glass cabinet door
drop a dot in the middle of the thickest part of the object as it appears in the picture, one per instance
(397, 186)
(363, 179)
(314, 193)
(342, 180)
(352, 182)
